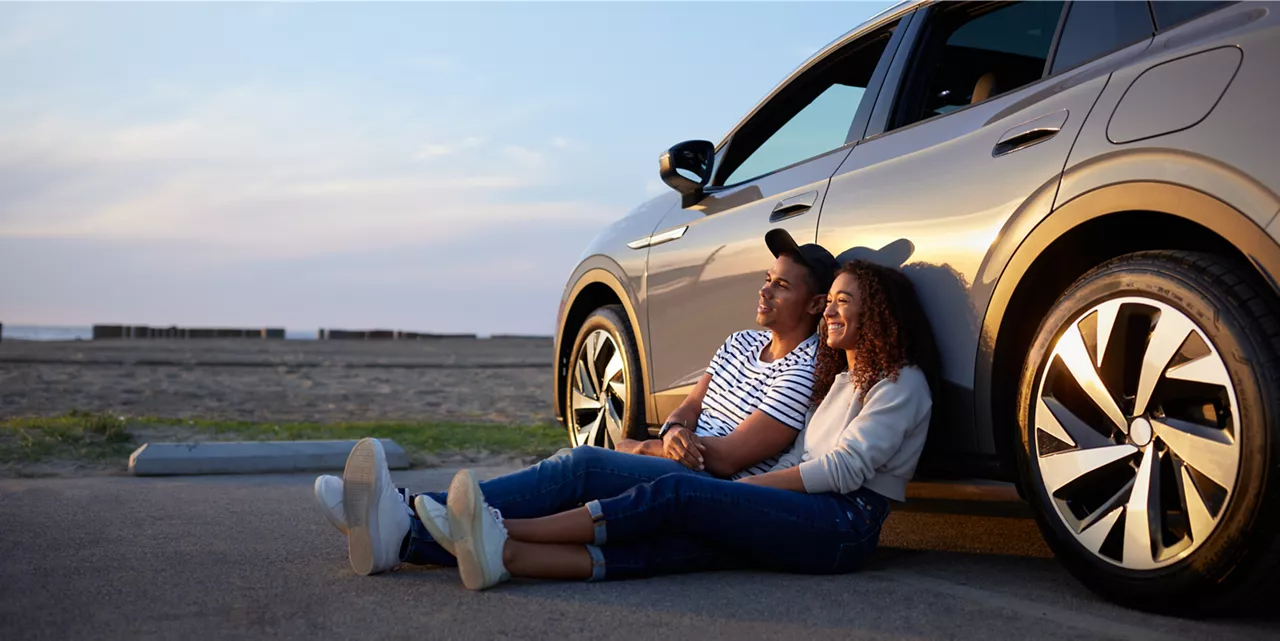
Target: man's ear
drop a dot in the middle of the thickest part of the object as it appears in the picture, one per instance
(817, 303)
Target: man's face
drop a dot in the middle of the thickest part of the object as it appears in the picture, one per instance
(785, 299)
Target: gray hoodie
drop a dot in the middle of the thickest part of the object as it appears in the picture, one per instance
(874, 443)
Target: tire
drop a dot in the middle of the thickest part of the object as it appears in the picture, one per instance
(1197, 461)
(604, 360)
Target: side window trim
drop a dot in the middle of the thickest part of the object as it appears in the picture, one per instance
(1057, 39)
(892, 86)
(877, 85)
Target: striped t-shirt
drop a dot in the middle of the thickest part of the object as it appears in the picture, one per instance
(742, 384)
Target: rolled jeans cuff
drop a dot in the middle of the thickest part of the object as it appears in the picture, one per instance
(598, 522)
(597, 563)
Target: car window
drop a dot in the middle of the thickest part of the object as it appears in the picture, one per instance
(1094, 29)
(971, 53)
(1173, 13)
(809, 117)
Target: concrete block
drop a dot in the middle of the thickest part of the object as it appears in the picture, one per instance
(253, 457)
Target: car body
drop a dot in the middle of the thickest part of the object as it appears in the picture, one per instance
(998, 153)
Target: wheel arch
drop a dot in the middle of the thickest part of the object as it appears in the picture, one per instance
(595, 285)
(1079, 235)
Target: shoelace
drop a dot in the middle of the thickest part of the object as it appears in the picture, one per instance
(497, 516)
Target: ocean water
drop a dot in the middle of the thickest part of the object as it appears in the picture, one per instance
(46, 332)
(85, 332)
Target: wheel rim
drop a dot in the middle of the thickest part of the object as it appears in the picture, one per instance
(1136, 437)
(598, 393)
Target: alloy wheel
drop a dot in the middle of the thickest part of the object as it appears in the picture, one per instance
(598, 392)
(1136, 440)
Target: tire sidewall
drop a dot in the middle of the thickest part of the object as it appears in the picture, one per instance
(1210, 568)
(613, 320)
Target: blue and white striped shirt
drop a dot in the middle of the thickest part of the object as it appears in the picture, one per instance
(741, 384)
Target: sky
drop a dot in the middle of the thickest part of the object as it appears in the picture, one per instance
(425, 166)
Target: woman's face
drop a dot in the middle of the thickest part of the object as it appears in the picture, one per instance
(841, 313)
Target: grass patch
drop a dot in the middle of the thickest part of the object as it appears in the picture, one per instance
(98, 437)
(77, 435)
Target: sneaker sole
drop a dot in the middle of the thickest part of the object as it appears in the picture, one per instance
(359, 487)
(466, 519)
(434, 530)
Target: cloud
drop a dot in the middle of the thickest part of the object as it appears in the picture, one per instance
(440, 150)
(523, 156)
(269, 173)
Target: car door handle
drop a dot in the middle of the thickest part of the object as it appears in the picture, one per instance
(1030, 133)
(793, 206)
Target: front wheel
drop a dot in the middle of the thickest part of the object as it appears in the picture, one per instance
(1149, 444)
(604, 398)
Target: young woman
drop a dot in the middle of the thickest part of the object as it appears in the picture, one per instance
(818, 511)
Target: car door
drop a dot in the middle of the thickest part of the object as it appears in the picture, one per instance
(702, 283)
(979, 128)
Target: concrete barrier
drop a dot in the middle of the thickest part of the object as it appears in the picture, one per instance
(103, 332)
(253, 457)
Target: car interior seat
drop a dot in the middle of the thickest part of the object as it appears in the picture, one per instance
(984, 88)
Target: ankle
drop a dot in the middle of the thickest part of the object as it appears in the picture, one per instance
(510, 552)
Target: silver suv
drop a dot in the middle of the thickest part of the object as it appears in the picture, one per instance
(1085, 195)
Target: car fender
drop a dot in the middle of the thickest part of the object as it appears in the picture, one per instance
(600, 270)
(1245, 232)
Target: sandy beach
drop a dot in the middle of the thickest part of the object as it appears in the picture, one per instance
(505, 380)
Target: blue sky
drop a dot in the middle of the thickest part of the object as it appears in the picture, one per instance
(434, 167)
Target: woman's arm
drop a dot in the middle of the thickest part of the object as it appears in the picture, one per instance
(889, 411)
(788, 479)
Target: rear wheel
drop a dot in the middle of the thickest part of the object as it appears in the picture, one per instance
(604, 399)
(1148, 407)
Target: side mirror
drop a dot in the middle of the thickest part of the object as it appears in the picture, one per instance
(687, 166)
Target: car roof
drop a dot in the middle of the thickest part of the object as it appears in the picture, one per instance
(892, 13)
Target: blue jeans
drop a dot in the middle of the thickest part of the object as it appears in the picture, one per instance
(562, 482)
(648, 528)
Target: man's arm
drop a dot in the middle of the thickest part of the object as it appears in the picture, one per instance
(687, 414)
(754, 440)
(767, 431)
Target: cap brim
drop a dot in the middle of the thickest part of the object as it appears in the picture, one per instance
(780, 242)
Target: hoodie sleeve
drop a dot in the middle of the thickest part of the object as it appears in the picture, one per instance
(889, 410)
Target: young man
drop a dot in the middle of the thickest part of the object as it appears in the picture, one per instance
(744, 412)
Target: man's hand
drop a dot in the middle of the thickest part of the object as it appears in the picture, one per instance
(682, 445)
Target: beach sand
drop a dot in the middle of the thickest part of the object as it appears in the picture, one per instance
(494, 380)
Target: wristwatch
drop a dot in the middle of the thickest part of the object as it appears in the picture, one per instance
(662, 431)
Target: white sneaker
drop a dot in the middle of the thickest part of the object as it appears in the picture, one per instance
(478, 534)
(329, 495)
(436, 518)
(377, 518)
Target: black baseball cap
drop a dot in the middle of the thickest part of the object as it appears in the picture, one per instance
(821, 264)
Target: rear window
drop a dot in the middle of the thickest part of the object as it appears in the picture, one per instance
(1094, 29)
(974, 52)
(1175, 12)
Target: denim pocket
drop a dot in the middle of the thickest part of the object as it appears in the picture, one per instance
(853, 555)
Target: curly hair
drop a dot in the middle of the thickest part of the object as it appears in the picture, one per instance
(893, 333)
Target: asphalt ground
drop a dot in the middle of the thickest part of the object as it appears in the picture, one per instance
(251, 557)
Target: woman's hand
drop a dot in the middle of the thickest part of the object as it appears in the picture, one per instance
(682, 445)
